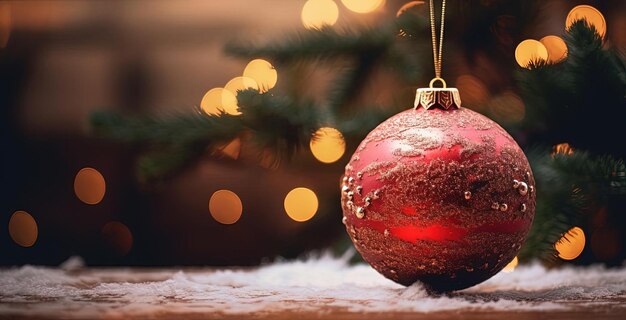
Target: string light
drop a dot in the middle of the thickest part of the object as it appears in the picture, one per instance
(225, 207)
(263, 73)
(363, 6)
(530, 51)
(571, 245)
(327, 145)
(319, 13)
(23, 229)
(89, 186)
(301, 204)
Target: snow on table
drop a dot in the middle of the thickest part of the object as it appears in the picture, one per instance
(316, 288)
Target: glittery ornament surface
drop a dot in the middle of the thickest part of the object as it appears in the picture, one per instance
(438, 196)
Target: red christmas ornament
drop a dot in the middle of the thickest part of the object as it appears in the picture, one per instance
(438, 194)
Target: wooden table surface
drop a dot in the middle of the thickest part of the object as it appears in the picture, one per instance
(323, 288)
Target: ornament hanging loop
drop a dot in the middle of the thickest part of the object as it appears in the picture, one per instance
(434, 80)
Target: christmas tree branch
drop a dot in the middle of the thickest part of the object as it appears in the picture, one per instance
(569, 188)
(181, 129)
(579, 99)
(279, 123)
(276, 124)
(325, 43)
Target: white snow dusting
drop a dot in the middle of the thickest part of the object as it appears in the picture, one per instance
(316, 284)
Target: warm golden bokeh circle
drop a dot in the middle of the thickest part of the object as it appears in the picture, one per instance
(240, 83)
(218, 100)
(263, 73)
(23, 228)
(301, 204)
(530, 51)
(225, 206)
(117, 237)
(319, 13)
(511, 265)
(233, 87)
(89, 186)
(327, 145)
(571, 245)
(589, 13)
(557, 49)
(363, 6)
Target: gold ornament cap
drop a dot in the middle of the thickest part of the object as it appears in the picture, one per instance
(443, 98)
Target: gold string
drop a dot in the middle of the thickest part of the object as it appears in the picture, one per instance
(437, 50)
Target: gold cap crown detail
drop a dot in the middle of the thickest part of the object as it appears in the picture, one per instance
(443, 98)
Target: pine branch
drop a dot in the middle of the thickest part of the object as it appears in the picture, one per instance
(323, 44)
(580, 100)
(176, 129)
(279, 123)
(568, 188)
(350, 83)
(275, 124)
(173, 141)
(357, 126)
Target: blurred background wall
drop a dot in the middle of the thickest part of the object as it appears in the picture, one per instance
(61, 60)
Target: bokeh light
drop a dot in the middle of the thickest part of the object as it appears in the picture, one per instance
(263, 73)
(218, 100)
(530, 51)
(225, 206)
(589, 13)
(233, 86)
(301, 204)
(89, 186)
(408, 6)
(363, 6)
(511, 265)
(563, 148)
(240, 83)
(327, 145)
(117, 237)
(319, 13)
(23, 228)
(507, 107)
(5, 23)
(557, 49)
(475, 92)
(571, 245)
